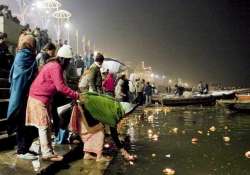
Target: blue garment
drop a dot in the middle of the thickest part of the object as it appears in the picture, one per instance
(62, 136)
(22, 73)
(88, 61)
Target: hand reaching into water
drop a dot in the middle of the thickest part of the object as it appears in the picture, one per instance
(126, 155)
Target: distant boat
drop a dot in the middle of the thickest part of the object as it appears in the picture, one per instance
(218, 95)
(241, 103)
(186, 101)
(194, 99)
(236, 105)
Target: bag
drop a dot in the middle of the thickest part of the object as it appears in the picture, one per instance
(84, 81)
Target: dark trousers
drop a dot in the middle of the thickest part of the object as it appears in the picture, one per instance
(24, 134)
(139, 98)
(24, 137)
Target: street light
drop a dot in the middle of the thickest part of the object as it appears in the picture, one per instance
(67, 27)
(61, 16)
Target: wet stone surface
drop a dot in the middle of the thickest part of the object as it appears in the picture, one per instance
(10, 164)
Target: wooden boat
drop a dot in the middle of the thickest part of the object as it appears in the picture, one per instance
(236, 105)
(243, 97)
(193, 100)
(223, 95)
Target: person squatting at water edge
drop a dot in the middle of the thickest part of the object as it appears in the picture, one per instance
(89, 116)
(94, 84)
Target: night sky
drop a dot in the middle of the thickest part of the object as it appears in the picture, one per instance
(195, 40)
(192, 39)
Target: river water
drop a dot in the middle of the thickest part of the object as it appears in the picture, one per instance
(162, 138)
(173, 148)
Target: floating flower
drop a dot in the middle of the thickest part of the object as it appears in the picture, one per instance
(226, 127)
(131, 163)
(153, 155)
(183, 132)
(169, 171)
(226, 139)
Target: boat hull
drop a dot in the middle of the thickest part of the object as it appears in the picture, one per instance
(181, 101)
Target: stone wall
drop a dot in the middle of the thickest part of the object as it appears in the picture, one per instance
(11, 28)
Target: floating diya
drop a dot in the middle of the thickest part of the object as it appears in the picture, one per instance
(150, 131)
(226, 127)
(175, 130)
(151, 118)
(106, 145)
(155, 137)
(200, 132)
(247, 154)
(226, 139)
(153, 155)
(168, 171)
(168, 155)
(212, 128)
(194, 140)
(131, 163)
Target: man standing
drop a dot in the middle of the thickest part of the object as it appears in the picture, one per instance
(95, 76)
(148, 93)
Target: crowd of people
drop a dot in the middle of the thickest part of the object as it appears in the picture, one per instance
(37, 78)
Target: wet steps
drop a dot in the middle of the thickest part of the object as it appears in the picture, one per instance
(4, 93)
(3, 108)
(6, 141)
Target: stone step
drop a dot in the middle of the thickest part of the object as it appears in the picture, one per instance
(4, 93)
(4, 83)
(3, 125)
(4, 73)
(7, 141)
(3, 108)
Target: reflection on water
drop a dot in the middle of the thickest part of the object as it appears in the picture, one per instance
(192, 141)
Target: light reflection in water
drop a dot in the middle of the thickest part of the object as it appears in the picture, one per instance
(192, 141)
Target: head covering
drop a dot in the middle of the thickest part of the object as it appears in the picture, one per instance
(26, 41)
(65, 52)
(128, 107)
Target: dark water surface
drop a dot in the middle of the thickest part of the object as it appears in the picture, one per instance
(174, 148)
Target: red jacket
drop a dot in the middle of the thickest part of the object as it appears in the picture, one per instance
(109, 83)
